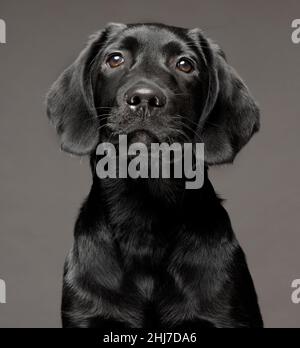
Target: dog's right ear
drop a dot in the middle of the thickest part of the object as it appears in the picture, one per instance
(70, 101)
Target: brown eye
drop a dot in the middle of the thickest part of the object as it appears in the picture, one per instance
(115, 60)
(185, 65)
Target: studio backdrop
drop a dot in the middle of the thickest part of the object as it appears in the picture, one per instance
(41, 187)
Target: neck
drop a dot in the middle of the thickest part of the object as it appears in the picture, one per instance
(146, 203)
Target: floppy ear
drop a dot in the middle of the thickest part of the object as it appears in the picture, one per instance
(70, 101)
(231, 115)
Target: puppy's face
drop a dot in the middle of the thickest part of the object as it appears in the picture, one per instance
(150, 83)
(155, 83)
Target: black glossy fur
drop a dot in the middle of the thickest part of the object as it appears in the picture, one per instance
(148, 253)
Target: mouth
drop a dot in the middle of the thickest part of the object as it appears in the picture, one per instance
(143, 136)
(139, 129)
(139, 135)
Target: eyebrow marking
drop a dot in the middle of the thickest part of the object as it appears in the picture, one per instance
(130, 43)
(172, 48)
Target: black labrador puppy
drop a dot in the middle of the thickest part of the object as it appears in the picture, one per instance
(149, 253)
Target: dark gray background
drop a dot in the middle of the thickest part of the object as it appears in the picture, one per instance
(42, 188)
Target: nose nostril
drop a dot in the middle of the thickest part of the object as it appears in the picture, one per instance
(150, 96)
(157, 101)
(134, 100)
(154, 101)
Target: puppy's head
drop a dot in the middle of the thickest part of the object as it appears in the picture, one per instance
(154, 83)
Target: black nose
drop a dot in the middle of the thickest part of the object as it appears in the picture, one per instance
(147, 95)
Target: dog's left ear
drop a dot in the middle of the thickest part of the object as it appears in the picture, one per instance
(70, 101)
(231, 115)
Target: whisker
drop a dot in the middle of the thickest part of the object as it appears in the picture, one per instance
(188, 119)
(98, 117)
(213, 124)
(101, 127)
(104, 107)
(187, 94)
(180, 121)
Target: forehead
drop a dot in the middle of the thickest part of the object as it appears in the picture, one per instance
(151, 38)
